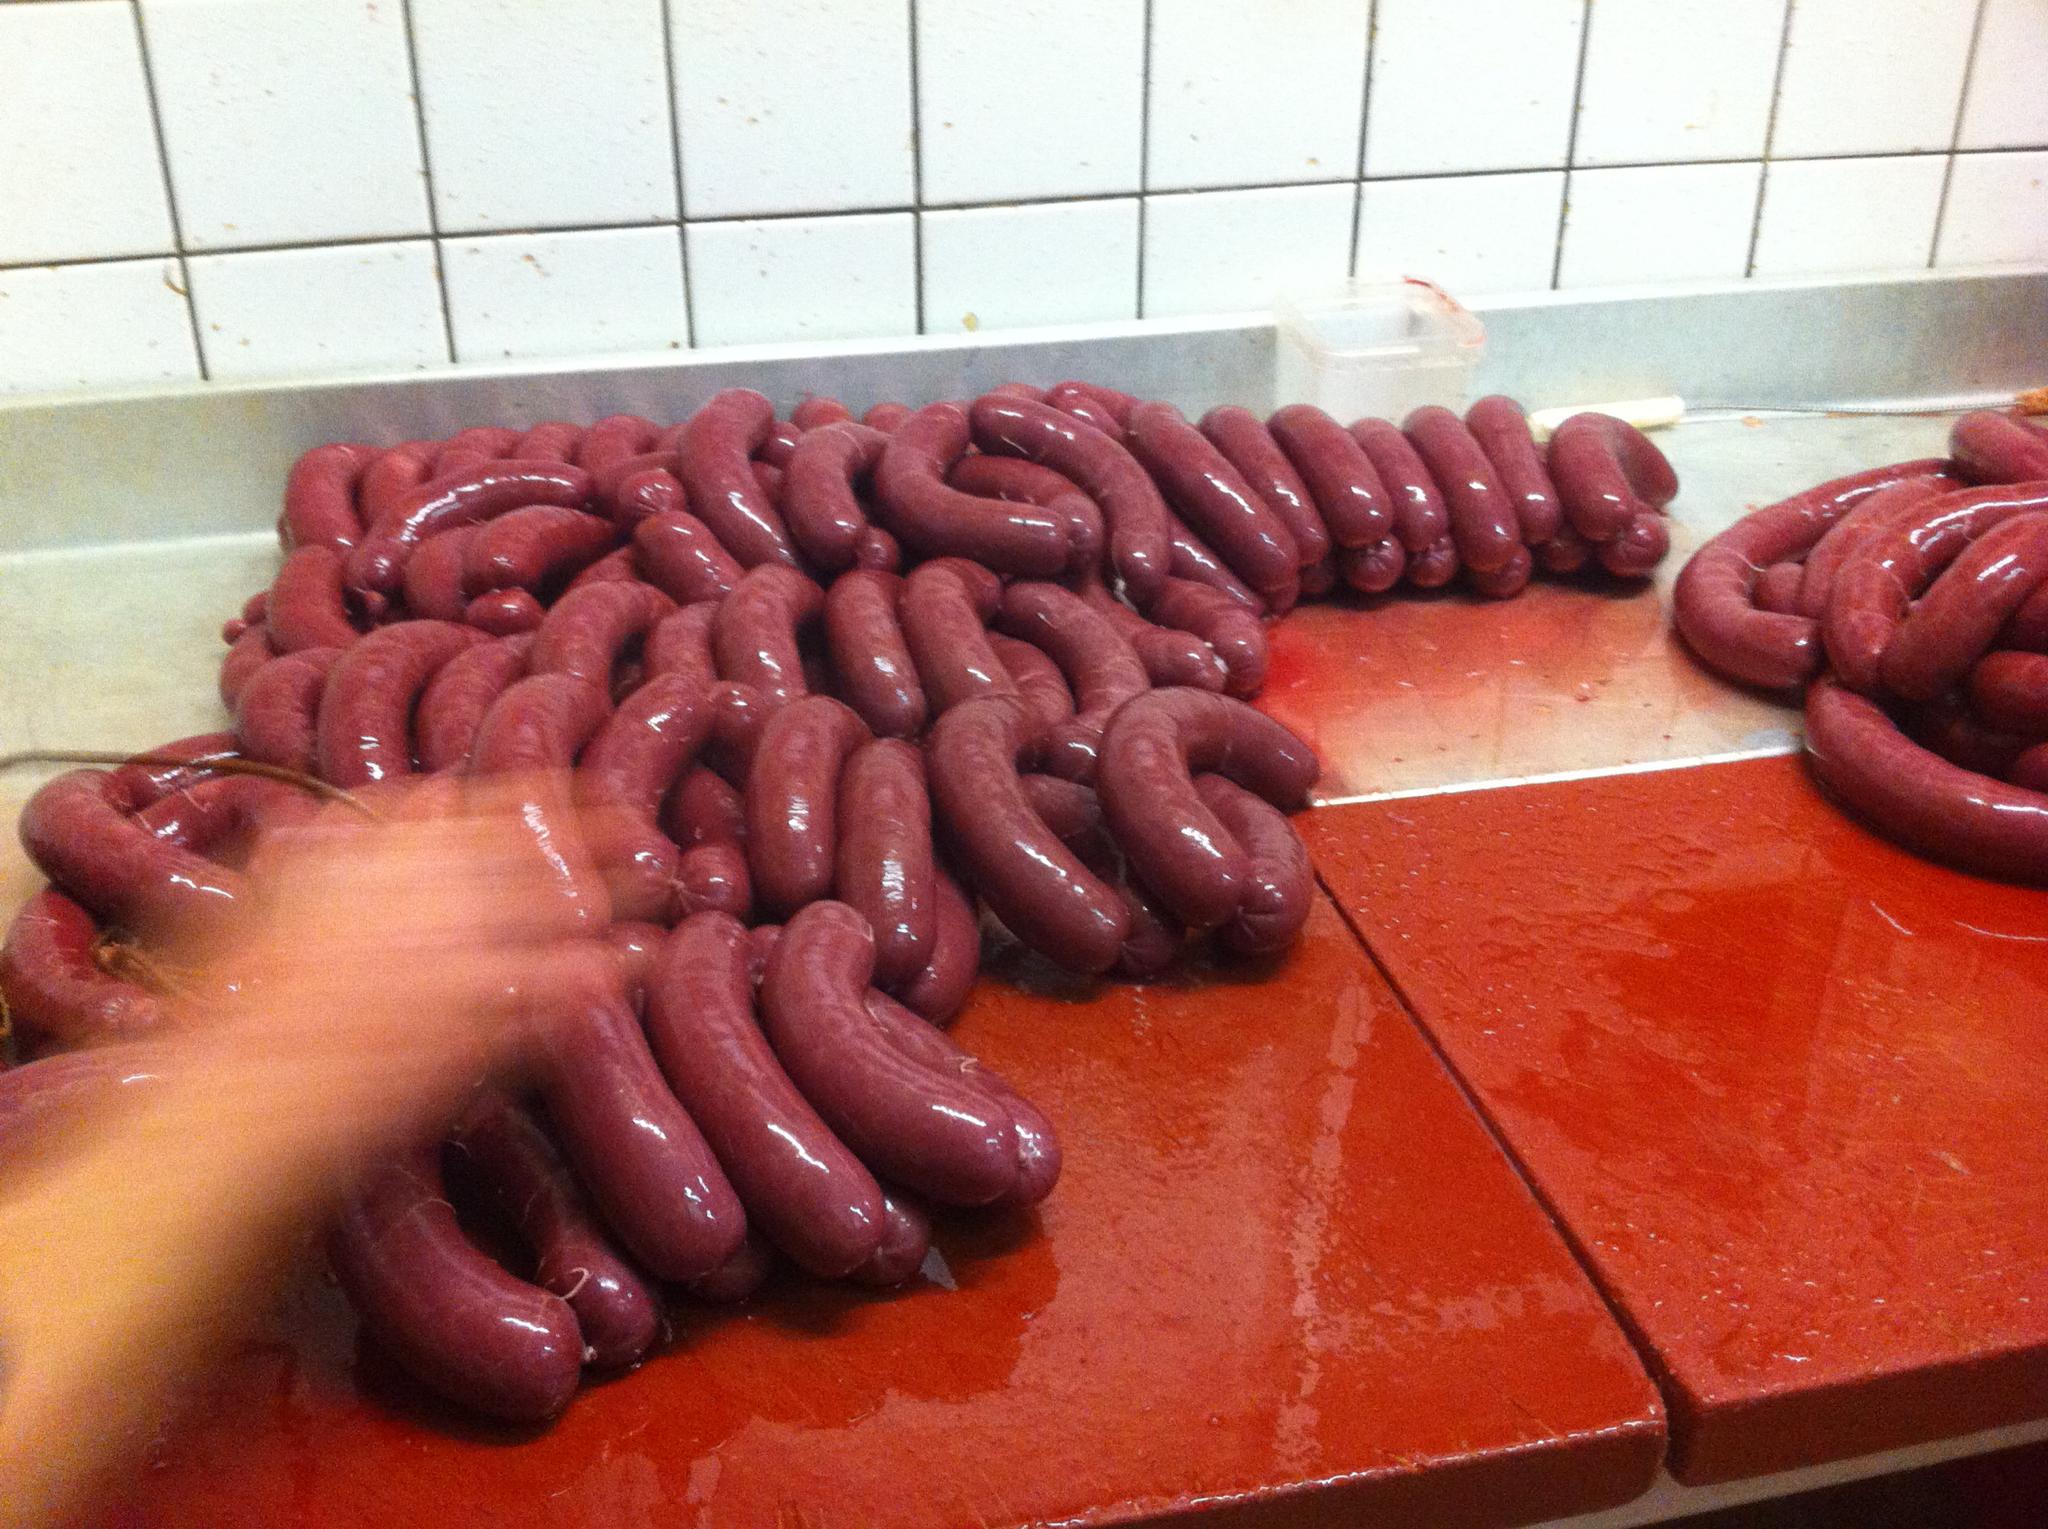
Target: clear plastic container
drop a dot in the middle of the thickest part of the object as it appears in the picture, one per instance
(1375, 347)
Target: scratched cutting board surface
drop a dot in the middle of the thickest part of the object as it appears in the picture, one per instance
(1285, 1254)
(1785, 1086)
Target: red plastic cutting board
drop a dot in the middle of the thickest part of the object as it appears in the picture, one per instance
(1286, 1258)
(1785, 1086)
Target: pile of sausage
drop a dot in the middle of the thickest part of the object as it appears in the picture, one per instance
(1910, 602)
(819, 687)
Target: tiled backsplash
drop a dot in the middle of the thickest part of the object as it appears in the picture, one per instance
(243, 188)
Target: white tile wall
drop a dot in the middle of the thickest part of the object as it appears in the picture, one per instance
(565, 294)
(117, 324)
(1678, 80)
(764, 105)
(804, 278)
(1472, 85)
(338, 308)
(1020, 101)
(1010, 267)
(545, 116)
(1997, 210)
(79, 171)
(1871, 76)
(1214, 251)
(1657, 223)
(369, 184)
(1823, 215)
(1243, 94)
(287, 121)
(1472, 234)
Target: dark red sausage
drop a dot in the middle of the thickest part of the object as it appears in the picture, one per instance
(945, 607)
(937, 992)
(614, 438)
(55, 987)
(1139, 547)
(248, 653)
(919, 1126)
(533, 548)
(1420, 519)
(633, 947)
(1034, 1141)
(1279, 884)
(307, 607)
(1035, 885)
(454, 1320)
(632, 762)
(1870, 515)
(365, 731)
(906, 1239)
(391, 476)
(170, 766)
(1154, 745)
(1078, 400)
(613, 568)
(458, 498)
(1375, 569)
(1502, 431)
(1877, 582)
(1249, 447)
(484, 443)
(883, 868)
(1777, 588)
(1929, 805)
(504, 613)
(799, 1185)
(1170, 656)
(1953, 624)
(629, 489)
(1990, 447)
(1114, 402)
(756, 634)
(681, 644)
(814, 412)
(1712, 604)
(1227, 627)
(590, 631)
(792, 801)
(825, 517)
(432, 581)
(635, 1147)
(886, 417)
(1073, 812)
(718, 443)
(1483, 520)
(2010, 691)
(320, 498)
(1437, 564)
(1608, 474)
(870, 658)
(552, 440)
(934, 519)
(277, 714)
(1195, 560)
(1347, 493)
(618, 1315)
(1036, 677)
(452, 706)
(679, 556)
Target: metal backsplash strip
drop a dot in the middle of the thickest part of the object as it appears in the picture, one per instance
(208, 460)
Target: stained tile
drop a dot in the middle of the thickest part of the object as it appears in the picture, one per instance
(346, 308)
(1871, 76)
(1471, 85)
(1054, 263)
(804, 278)
(569, 294)
(118, 323)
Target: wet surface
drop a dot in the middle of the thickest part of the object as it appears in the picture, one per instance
(1782, 1082)
(1285, 1254)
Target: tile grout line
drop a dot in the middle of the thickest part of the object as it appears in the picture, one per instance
(1763, 174)
(163, 165)
(916, 167)
(1081, 198)
(1955, 138)
(675, 154)
(1144, 151)
(1571, 144)
(419, 122)
(1372, 29)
